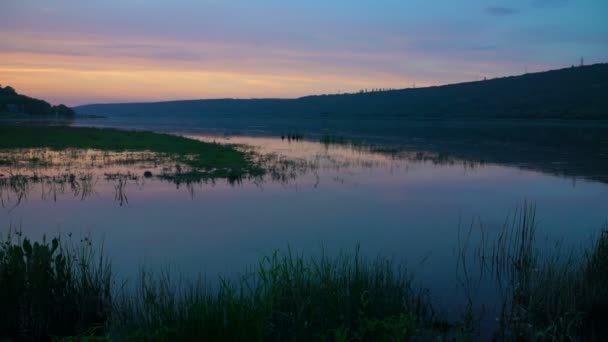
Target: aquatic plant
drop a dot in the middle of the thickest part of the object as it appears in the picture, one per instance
(50, 288)
(288, 297)
(544, 294)
(198, 155)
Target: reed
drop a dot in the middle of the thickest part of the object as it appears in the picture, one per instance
(56, 288)
(288, 297)
(545, 292)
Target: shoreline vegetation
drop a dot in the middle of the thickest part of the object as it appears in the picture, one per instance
(202, 160)
(64, 289)
(61, 289)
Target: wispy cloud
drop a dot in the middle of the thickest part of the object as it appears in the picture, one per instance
(108, 50)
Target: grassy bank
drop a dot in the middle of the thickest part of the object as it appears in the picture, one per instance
(58, 288)
(203, 158)
(288, 297)
(49, 289)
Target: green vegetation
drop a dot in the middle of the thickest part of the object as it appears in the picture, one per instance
(12, 102)
(209, 160)
(548, 295)
(287, 298)
(52, 289)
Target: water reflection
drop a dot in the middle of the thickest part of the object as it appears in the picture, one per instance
(51, 173)
(571, 148)
(406, 204)
(288, 159)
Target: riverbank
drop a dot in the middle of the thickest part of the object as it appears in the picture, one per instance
(65, 288)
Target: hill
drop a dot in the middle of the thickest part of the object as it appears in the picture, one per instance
(571, 93)
(14, 103)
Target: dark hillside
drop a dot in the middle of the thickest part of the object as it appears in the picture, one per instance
(12, 102)
(571, 93)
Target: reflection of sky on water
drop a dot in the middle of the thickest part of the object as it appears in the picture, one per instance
(399, 207)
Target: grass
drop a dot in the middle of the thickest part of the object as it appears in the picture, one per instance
(52, 289)
(209, 158)
(359, 145)
(287, 298)
(545, 295)
(49, 290)
(26, 170)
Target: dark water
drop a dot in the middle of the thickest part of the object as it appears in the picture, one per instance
(409, 205)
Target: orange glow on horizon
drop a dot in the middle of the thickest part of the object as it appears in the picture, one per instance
(77, 52)
(75, 80)
(74, 69)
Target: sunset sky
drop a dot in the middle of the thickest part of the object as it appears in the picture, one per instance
(78, 52)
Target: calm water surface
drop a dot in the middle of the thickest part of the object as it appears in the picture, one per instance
(408, 205)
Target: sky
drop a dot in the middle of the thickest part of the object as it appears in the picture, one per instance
(100, 51)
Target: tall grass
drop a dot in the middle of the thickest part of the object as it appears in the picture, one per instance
(546, 293)
(288, 297)
(52, 288)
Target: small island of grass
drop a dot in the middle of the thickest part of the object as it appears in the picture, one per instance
(203, 159)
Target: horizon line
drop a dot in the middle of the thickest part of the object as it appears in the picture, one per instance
(337, 94)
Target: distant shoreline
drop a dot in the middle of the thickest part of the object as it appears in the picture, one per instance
(569, 94)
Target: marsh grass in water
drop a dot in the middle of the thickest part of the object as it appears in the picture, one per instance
(51, 291)
(358, 144)
(17, 188)
(288, 297)
(51, 173)
(218, 160)
(545, 295)
(52, 288)
(397, 152)
(52, 156)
